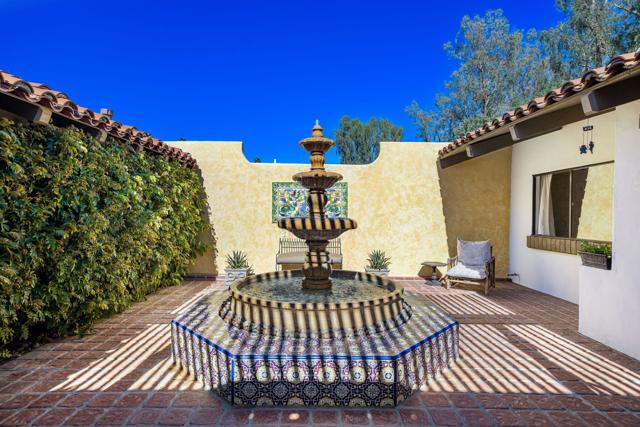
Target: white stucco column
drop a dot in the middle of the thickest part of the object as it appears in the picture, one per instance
(610, 300)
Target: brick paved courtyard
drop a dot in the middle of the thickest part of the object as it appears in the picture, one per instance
(522, 363)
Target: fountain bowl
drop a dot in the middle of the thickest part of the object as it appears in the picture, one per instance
(276, 303)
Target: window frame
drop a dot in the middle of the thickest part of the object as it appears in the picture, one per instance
(534, 201)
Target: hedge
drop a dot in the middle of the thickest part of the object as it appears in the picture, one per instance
(85, 229)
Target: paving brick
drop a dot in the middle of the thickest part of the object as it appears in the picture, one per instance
(194, 399)
(506, 417)
(355, 417)
(209, 416)
(115, 416)
(23, 417)
(236, 417)
(160, 400)
(476, 417)
(294, 416)
(265, 416)
(414, 417)
(103, 400)
(383, 417)
(445, 417)
(131, 400)
(54, 417)
(85, 417)
(435, 400)
(146, 416)
(174, 417)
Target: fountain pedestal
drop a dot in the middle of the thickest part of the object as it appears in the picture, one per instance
(317, 229)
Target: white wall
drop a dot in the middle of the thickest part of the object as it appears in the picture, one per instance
(610, 300)
(550, 272)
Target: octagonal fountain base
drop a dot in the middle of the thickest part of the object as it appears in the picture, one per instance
(253, 357)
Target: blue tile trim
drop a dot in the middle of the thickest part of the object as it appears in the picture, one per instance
(315, 356)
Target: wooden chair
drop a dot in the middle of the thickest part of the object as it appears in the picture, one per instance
(474, 265)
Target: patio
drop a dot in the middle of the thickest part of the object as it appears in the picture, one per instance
(522, 363)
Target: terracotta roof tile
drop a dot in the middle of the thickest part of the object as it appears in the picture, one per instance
(588, 79)
(59, 102)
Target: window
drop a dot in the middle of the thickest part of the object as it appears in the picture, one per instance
(574, 203)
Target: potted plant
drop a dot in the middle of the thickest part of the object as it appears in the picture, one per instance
(237, 267)
(379, 263)
(596, 255)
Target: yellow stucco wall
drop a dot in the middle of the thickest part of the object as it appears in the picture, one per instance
(476, 196)
(596, 214)
(396, 201)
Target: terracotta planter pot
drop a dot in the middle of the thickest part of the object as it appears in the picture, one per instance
(384, 272)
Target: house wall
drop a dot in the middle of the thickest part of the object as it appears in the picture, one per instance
(551, 272)
(396, 200)
(609, 299)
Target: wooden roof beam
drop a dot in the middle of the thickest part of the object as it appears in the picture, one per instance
(610, 96)
(24, 109)
(546, 123)
(487, 146)
(454, 159)
(62, 121)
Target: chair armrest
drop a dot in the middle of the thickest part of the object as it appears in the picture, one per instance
(452, 261)
(491, 264)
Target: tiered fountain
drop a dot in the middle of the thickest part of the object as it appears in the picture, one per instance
(314, 337)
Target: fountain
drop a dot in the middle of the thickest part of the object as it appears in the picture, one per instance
(314, 337)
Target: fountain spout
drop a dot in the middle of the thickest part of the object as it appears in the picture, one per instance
(317, 229)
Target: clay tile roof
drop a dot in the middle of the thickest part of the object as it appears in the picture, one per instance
(60, 103)
(588, 79)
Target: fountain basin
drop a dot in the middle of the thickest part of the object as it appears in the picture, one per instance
(250, 367)
(277, 303)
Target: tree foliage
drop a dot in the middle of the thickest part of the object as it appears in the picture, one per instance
(85, 229)
(359, 143)
(592, 32)
(501, 68)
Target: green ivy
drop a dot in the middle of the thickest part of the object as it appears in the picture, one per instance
(86, 228)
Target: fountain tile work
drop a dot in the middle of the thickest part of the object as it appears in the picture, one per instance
(314, 337)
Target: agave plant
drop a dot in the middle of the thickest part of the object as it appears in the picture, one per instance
(237, 259)
(378, 260)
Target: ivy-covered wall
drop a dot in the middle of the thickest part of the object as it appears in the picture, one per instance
(86, 228)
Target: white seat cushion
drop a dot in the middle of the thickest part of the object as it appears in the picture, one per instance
(476, 272)
(474, 253)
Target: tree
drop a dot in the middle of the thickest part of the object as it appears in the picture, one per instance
(592, 32)
(499, 68)
(359, 142)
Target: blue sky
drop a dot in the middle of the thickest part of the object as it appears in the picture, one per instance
(256, 71)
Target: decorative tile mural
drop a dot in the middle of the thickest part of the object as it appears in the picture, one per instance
(290, 199)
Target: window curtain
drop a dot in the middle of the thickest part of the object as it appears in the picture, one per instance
(544, 215)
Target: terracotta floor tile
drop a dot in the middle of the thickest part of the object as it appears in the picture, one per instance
(54, 417)
(174, 417)
(523, 361)
(355, 417)
(414, 417)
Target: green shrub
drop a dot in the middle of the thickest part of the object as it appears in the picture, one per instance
(596, 248)
(86, 228)
(378, 260)
(237, 259)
